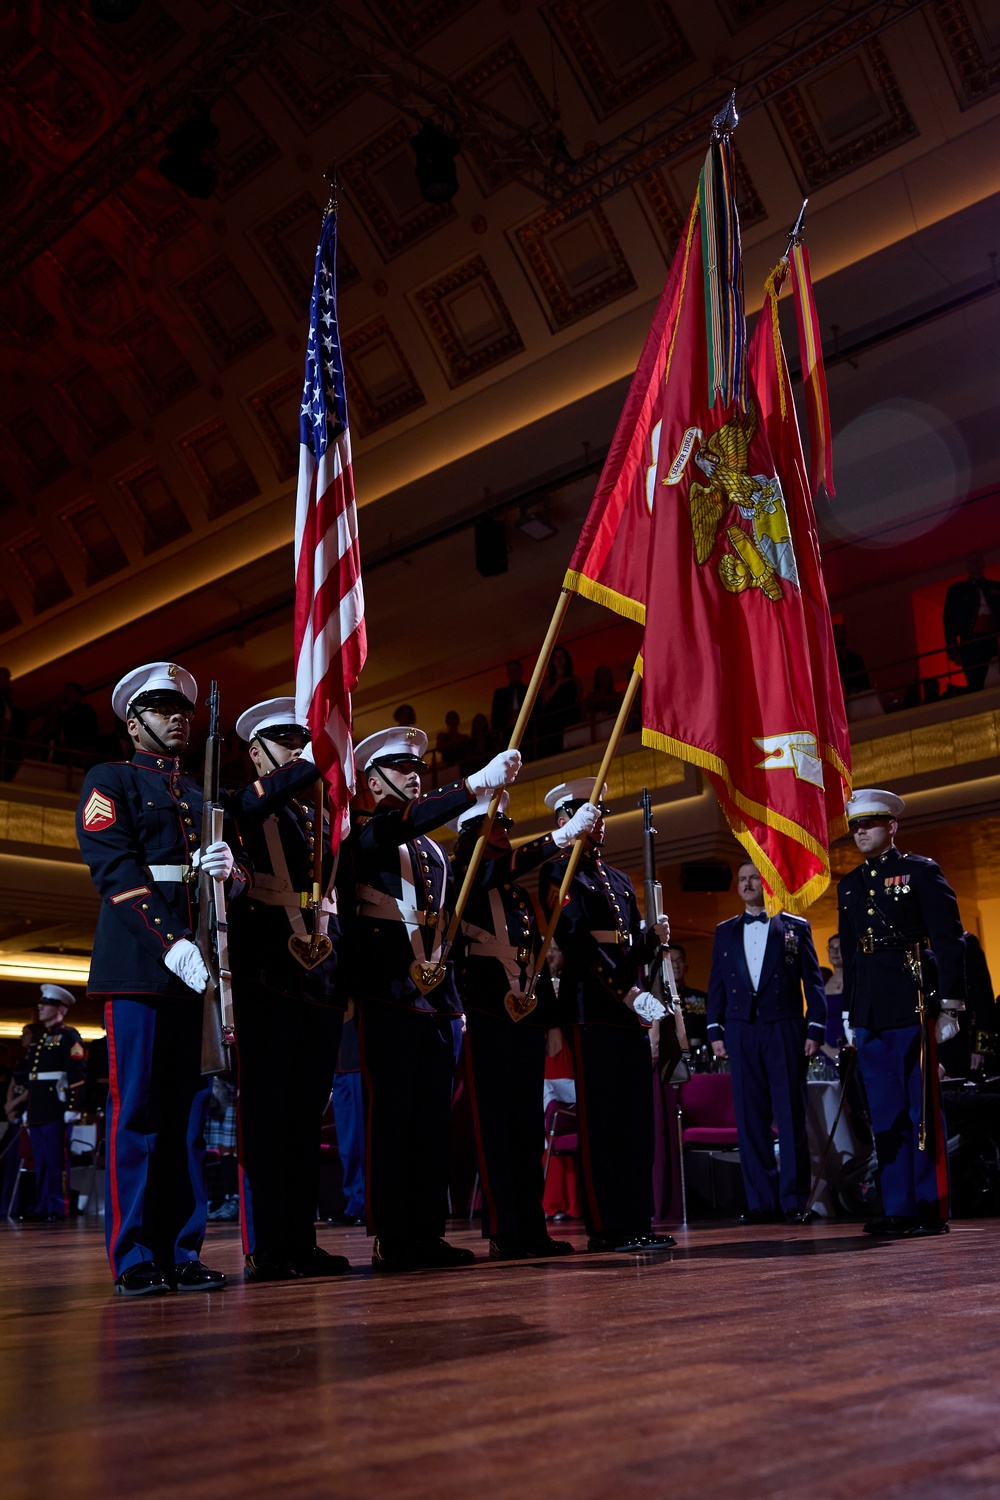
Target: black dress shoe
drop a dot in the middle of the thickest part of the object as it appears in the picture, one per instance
(144, 1280)
(195, 1276)
(760, 1216)
(654, 1243)
(349, 1221)
(394, 1257)
(318, 1262)
(604, 1244)
(892, 1227)
(926, 1227)
(503, 1249)
(800, 1216)
(547, 1246)
(439, 1254)
(266, 1268)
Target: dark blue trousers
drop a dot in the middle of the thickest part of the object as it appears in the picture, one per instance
(914, 1183)
(506, 1069)
(286, 1051)
(349, 1114)
(615, 1115)
(408, 1065)
(50, 1149)
(155, 1206)
(768, 1066)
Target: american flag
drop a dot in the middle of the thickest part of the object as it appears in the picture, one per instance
(330, 640)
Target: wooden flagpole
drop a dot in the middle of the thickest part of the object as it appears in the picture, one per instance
(433, 973)
(576, 853)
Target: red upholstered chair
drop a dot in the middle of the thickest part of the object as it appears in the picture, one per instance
(706, 1119)
(561, 1133)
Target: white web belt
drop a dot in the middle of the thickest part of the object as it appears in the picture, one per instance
(496, 944)
(276, 889)
(376, 903)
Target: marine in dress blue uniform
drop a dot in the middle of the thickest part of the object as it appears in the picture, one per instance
(56, 1068)
(888, 906)
(139, 827)
(405, 893)
(506, 1058)
(761, 966)
(600, 933)
(287, 1005)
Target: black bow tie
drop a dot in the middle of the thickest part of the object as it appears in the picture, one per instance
(748, 917)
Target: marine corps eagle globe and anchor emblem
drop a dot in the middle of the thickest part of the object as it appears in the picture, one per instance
(761, 554)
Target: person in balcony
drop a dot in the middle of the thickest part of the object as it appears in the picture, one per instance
(603, 699)
(850, 664)
(971, 622)
(558, 706)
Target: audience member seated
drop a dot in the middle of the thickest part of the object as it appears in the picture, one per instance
(558, 706)
(603, 700)
(824, 1064)
(220, 1136)
(452, 745)
(483, 744)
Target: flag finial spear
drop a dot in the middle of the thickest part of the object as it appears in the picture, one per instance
(330, 177)
(795, 233)
(726, 121)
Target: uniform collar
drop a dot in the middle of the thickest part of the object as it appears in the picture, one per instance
(167, 764)
(880, 859)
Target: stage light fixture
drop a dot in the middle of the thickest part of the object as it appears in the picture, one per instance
(536, 524)
(114, 11)
(435, 152)
(183, 164)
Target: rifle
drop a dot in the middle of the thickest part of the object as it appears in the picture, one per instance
(915, 963)
(659, 964)
(217, 1033)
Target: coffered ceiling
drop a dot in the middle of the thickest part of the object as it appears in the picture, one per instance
(153, 343)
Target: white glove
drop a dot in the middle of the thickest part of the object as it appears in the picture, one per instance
(945, 1027)
(497, 773)
(184, 960)
(307, 754)
(648, 1008)
(584, 820)
(217, 859)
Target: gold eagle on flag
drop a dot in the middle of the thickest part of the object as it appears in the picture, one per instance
(760, 558)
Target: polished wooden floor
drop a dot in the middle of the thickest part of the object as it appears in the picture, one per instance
(806, 1362)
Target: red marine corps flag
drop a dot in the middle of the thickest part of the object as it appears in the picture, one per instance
(729, 678)
(330, 641)
(769, 376)
(705, 533)
(609, 563)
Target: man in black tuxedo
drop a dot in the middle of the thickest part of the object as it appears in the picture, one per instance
(507, 701)
(971, 622)
(760, 967)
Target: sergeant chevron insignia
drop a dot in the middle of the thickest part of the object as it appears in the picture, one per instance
(99, 812)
